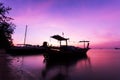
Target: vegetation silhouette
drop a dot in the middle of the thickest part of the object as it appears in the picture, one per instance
(6, 27)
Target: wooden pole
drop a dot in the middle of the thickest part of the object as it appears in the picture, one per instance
(60, 43)
(66, 43)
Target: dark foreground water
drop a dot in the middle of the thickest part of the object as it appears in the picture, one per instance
(100, 64)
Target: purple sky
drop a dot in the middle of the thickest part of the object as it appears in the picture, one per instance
(95, 20)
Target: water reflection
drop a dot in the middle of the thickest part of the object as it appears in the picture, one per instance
(27, 67)
(105, 64)
(96, 65)
(35, 67)
(5, 70)
(61, 70)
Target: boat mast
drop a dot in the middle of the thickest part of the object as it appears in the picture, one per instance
(25, 35)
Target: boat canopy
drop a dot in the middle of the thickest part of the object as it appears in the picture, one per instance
(84, 41)
(59, 38)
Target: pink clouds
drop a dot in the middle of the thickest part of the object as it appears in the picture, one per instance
(79, 20)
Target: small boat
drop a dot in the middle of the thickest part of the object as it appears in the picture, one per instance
(117, 48)
(25, 50)
(65, 51)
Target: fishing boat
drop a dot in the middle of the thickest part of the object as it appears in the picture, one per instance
(65, 51)
(25, 49)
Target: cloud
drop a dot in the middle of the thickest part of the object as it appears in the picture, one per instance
(96, 20)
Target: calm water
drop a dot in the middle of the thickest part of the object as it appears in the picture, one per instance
(100, 64)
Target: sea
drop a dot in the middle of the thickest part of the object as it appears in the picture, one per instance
(99, 64)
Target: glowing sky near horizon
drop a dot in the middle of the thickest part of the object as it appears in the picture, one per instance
(95, 20)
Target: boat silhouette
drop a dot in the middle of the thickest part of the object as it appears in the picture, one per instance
(25, 49)
(64, 51)
(50, 51)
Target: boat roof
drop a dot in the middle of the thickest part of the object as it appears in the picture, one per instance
(59, 38)
(84, 41)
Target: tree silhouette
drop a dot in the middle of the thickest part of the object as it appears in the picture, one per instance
(6, 27)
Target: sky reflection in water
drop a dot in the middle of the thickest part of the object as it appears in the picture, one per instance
(98, 65)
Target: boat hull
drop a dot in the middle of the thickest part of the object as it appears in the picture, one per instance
(25, 50)
(53, 54)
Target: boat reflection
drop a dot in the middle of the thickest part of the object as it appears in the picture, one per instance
(61, 69)
(36, 67)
